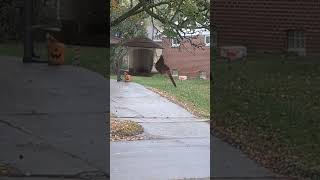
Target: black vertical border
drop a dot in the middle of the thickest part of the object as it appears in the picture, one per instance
(107, 30)
(212, 75)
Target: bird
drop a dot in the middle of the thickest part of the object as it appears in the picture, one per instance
(162, 68)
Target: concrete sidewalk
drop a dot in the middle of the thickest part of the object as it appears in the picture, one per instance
(53, 121)
(178, 145)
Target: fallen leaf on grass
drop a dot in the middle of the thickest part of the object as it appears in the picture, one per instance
(189, 107)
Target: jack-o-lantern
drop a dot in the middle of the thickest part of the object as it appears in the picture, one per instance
(127, 77)
(55, 51)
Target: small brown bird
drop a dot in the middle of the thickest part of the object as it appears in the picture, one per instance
(162, 68)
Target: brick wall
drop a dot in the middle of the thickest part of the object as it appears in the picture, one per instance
(188, 61)
(263, 24)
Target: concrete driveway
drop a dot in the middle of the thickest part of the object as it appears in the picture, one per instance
(53, 121)
(178, 143)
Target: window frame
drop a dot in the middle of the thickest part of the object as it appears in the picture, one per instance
(205, 40)
(174, 44)
(296, 41)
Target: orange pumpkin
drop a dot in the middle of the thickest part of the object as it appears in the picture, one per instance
(127, 77)
(56, 51)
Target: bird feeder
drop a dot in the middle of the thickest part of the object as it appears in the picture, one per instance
(52, 26)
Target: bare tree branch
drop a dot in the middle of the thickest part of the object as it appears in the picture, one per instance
(164, 16)
(124, 16)
(178, 9)
(140, 7)
(179, 30)
(162, 20)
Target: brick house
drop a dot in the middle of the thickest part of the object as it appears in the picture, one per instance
(269, 25)
(187, 60)
(184, 60)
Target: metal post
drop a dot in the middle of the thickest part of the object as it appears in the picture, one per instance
(118, 70)
(28, 44)
(29, 56)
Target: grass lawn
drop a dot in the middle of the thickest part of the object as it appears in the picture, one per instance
(193, 94)
(271, 109)
(92, 58)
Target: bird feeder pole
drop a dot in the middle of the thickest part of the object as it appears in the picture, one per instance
(118, 70)
(28, 44)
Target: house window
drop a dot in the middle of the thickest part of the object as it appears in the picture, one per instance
(175, 43)
(207, 40)
(296, 42)
(156, 34)
(157, 37)
(117, 34)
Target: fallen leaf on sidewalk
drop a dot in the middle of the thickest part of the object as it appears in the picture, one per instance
(125, 130)
(6, 169)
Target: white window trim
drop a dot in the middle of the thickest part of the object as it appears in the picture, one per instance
(299, 50)
(157, 40)
(157, 37)
(205, 40)
(174, 44)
